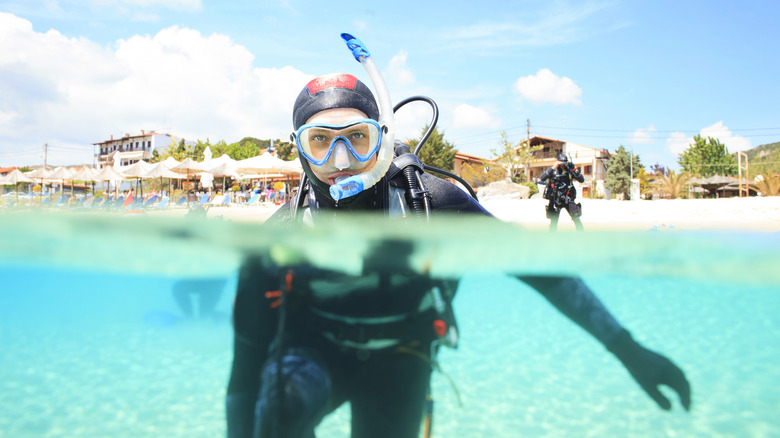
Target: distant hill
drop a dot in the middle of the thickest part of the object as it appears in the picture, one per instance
(764, 158)
(762, 151)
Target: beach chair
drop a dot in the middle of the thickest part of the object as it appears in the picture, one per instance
(218, 200)
(181, 201)
(163, 202)
(204, 199)
(150, 201)
(119, 202)
(252, 200)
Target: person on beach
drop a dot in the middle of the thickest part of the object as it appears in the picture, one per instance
(308, 339)
(561, 193)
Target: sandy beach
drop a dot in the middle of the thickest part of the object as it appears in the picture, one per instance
(758, 214)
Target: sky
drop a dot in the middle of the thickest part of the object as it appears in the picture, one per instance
(647, 75)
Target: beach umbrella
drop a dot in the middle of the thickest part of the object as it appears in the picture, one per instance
(713, 183)
(267, 163)
(189, 167)
(159, 170)
(170, 162)
(109, 174)
(60, 173)
(15, 177)
(224, 169)
(136, 170)
(85, 174)
(40, 173)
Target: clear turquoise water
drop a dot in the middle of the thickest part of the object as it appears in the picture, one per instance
(93, 344)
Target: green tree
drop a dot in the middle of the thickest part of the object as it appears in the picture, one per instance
(672, 184)
(478, 176)
(177, 150)
(286, 151)
(619, 170)
(436, 151)
(707, 158)
(514, 158)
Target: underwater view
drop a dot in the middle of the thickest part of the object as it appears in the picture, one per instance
(121, 326)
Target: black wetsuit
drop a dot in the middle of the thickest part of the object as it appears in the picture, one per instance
(324, 330)
(563, 196)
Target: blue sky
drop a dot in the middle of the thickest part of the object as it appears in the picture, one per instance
(648, 75)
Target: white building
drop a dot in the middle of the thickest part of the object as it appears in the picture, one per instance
(131, 148)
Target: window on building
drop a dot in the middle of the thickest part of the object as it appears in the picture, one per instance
(587, 170)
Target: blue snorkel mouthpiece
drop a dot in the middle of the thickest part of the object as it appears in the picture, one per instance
(356, 46)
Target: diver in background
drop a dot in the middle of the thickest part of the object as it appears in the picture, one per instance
(307, 340)
(561, 192)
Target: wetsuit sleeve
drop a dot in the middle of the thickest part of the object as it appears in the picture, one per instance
(572, 297)
(545, 175)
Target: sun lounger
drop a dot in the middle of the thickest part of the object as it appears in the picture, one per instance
(252, 200)
(150, 201)
(181, 201)
(218, 200)
(163, 202)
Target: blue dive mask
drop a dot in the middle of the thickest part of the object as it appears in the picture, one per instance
(316, 141)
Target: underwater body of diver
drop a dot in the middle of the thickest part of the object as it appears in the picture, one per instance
(308, 339)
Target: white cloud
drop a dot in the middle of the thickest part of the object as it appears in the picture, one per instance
(546, 87)
(643, 135)
(398, 70)
(678, 142)
(734, 143)
(70, 91)
(470, 117)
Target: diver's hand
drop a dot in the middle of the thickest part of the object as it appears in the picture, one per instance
(650, 370)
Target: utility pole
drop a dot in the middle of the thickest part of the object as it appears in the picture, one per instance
(45, 154)
(528, 145)
(528, 132)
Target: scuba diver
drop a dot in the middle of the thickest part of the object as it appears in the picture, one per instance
(561, 192)
(308, 339)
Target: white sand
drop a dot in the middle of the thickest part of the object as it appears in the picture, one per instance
(745, 214)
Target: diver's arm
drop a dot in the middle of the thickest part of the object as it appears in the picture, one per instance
(575, 300)
(545, 175)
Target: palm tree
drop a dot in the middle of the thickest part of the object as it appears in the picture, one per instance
(768, 185)
(672, 184)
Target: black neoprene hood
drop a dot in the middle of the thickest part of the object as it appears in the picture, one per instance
(333, 91)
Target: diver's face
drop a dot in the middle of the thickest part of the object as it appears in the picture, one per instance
(341, 162)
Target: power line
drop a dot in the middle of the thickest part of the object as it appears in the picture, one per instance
(659, 131)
